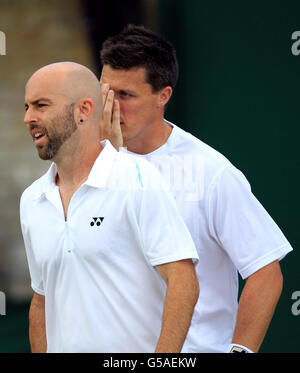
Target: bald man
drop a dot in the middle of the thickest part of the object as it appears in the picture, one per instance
(110, 259)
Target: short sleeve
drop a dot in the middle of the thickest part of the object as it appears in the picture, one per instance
(35, 275)
(165, 237)
(241, 225)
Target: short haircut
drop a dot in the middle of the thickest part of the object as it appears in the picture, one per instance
(137, 46)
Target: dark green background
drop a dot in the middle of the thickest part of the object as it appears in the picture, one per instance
(239, 92)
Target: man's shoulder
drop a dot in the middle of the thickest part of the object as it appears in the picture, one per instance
(186, 142)
(139, 170)
(34, 189)
(186, 145)
(130, 160)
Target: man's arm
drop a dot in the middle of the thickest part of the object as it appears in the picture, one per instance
(37, 328)
(257, 305)
(182, 295)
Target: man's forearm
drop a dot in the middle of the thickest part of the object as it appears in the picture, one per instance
(37, 328)
(181, 297)
(256, 306)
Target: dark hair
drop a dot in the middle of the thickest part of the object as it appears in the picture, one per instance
(137, 46)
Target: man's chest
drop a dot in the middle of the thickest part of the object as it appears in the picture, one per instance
(95, 225)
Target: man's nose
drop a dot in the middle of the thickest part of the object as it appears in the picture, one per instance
(29, 116)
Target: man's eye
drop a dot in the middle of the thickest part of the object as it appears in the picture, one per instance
(125, 94)
(41, 105)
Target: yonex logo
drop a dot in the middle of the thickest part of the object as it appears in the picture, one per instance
(96, 221)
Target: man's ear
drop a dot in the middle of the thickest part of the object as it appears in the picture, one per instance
(164, 96)
(84, 110)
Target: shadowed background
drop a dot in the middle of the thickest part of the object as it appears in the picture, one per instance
(237, 91)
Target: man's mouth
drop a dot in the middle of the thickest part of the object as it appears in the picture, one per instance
(37, 135)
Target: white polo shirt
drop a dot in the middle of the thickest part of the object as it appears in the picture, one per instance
(231, 230)
(97, 269)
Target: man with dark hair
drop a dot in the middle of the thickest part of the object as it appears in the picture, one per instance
(232, 231)
(155, 54)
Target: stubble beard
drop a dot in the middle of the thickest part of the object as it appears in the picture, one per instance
(58, 137)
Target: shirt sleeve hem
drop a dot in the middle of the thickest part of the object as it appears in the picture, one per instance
(277, 254)
(37, 290)
(170, 259)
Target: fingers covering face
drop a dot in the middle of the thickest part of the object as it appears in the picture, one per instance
(116, 115)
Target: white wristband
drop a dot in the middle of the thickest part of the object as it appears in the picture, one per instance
(234, 347)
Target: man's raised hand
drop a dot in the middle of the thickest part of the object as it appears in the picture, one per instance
(109, 125)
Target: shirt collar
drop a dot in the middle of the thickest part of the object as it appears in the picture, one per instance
(97, 178)
(100, 171)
